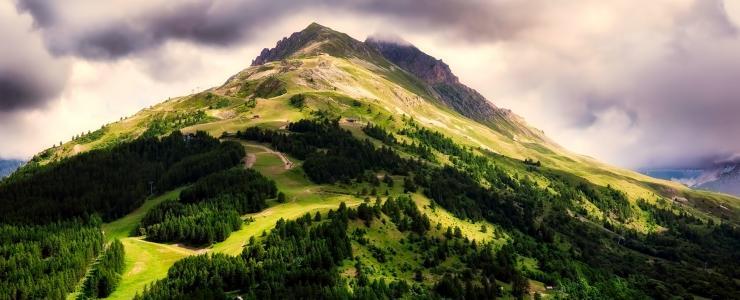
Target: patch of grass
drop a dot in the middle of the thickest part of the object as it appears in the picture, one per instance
(146, 262)
(472, 230)
(122, 227)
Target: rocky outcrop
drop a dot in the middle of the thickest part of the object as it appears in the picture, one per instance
(316, 39)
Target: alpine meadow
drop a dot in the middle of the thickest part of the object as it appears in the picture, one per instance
(333, 168)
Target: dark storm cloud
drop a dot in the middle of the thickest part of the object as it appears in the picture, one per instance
(19, 91)
(29, 76)
(42, 12)
(223, 23)
(129, 30)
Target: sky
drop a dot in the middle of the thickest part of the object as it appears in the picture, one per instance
(639, 84)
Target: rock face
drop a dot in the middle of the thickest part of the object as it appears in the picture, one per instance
(425, 67)
(448, 89)
(313, 40)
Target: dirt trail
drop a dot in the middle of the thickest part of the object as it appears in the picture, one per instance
(286, 162)
(249, 160)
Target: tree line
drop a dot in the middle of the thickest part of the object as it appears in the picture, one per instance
(330, 153)
(105, 273)
(210, 209)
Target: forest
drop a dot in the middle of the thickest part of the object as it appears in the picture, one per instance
(46, 261)
(105, 273)
(300, 259)
(210, 209)
(50, 215)
(110, 182)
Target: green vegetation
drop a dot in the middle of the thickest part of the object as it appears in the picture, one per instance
(209, 210)
(298, 100)
(345, 158)
(146, 262)
(167, 123)
(270, 87)
(46, 261)
(105, 273)
(110, 182)
(128, 225)
(536, 217)
(90, 136)
(52, 213)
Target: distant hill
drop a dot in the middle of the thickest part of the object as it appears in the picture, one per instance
(720, 177)
(8, 166)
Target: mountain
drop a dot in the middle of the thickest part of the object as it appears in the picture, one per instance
(8, 166)
(721, 177)
(337, 168)
(724, 178)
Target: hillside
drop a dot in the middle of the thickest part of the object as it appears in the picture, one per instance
(337, 168)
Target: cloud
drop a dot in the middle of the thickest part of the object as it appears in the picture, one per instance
(29, 76)
(117, 28)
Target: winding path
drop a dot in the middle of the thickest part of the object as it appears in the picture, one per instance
(249, 161)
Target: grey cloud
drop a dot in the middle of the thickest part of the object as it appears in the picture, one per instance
(18, 91)
(42, 12)
(223, 23)
(206, 22)
(29, 76)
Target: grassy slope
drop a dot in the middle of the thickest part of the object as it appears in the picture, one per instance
(145, 261)
(122, 227)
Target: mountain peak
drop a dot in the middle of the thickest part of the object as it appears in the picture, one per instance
(315, 39)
